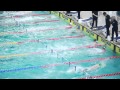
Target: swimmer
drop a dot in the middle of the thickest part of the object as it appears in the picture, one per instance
(26, 30)
(95, 40)
(104, 47)
(57, 55)
(46, 46)
(17, 23)
(70, 24)
(78, 27)
(92, 68)
(75, 68)
(51, 50)
(73, 32)
(68, 27)
(85, 70)
(38, 40)
(90, 77)
(48, 16)
(62, 59)
(11, 46)
(69, 64)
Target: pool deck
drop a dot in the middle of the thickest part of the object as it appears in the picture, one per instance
(96, 34)
(88, 14)
(101, 22)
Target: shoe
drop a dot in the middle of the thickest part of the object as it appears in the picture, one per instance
(91, 28)
(66, 14)
(95, 28)
(69, 15)
(79, 21)
(78, 18)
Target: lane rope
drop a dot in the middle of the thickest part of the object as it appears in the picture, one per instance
(40, 40)
(32, 23)
(47, 51)
(103, 75)
(60, 64)
(19, 16)
(28, 31)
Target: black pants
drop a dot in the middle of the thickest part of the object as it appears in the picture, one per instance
(116, 32)
(94, 20)
(108, 31)
(78, 14)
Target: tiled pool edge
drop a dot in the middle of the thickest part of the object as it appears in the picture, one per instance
(92, 34)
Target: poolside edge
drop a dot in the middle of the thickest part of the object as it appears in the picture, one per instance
(92, 34)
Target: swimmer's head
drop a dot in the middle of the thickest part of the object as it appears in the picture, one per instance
(100, 64)
(73, 32)
(94, 39)
(103, 47)
(85, 70)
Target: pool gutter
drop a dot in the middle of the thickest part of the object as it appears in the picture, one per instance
(70, 19)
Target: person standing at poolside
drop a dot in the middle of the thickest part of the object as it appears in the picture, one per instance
(107, 19)
(114, 23)
(95, 18)
(68, 13)
(78, 15)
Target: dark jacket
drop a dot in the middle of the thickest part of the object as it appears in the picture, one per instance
(96, 13)
(115, 25)
(107, 19)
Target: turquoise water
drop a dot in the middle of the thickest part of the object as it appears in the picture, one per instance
(50, 50)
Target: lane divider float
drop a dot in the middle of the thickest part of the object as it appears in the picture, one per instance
(38, 40)
(20, 16)
(28, 31)
(64, 63)
(103, 75)
(48, 51)
(37, 22)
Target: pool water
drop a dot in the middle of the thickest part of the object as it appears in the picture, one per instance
(40, 45)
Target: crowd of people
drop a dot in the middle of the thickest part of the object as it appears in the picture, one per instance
(108, 21)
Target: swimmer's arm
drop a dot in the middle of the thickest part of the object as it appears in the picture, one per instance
(94, 67)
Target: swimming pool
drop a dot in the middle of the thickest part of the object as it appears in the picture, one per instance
(39, 45)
